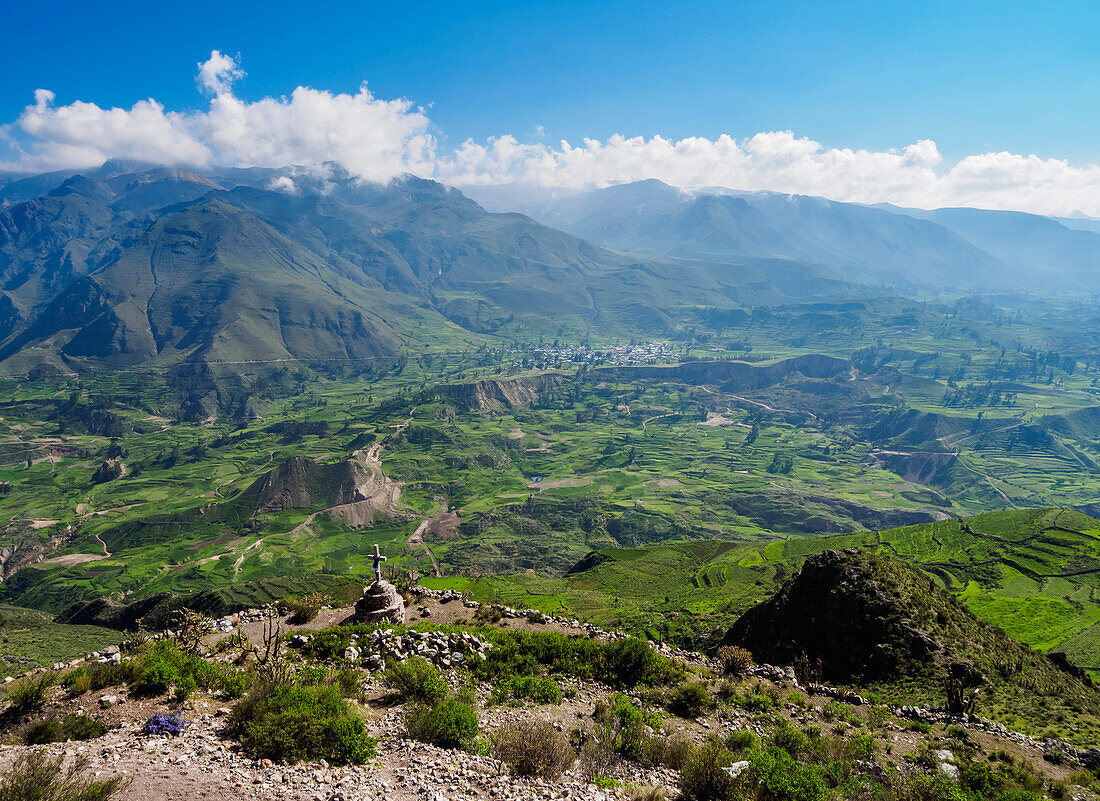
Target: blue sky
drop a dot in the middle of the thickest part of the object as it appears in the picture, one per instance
(973, 76)
(990, 104)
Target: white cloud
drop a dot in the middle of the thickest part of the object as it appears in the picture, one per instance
(284, 183)
(217, 73)
(914, 175)
(374, 139)
(83, 134)
(377, 139)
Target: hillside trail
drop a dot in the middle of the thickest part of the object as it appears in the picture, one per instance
(416, 540)
(772, 408)
(657, 417)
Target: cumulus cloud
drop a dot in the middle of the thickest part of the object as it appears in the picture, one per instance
(914, 175)
(217, 73)
(372, 138)
(83, 134)
(377, 139)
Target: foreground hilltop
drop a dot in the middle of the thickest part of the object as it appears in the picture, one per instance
(479, 700)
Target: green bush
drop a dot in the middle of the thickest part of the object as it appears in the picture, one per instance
(630, 662)
(778, 777)
(417, 680)
(27, 695)
(623, 664)
(540, 689)
(41, 732)
(690, 700)
(163, 665)
(628, 723)
(96, 677)
(757, 701)
(672, 752)
(36, 776)
(532, 748)
(741, 740)
(293, 723)
(450, 723)
(74, 727)
(702, 777)
(796, 743)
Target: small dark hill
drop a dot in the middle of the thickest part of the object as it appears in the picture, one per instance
(301, 483)
(872, 619)
(863, 616)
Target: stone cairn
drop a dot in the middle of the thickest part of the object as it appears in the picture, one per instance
(381, 602)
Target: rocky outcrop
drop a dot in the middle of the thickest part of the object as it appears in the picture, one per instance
(354, 490)
(26, 546)
(300, 483)
(110, 470)
(500, 393)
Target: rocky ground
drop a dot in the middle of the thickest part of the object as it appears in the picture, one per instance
(204, 763)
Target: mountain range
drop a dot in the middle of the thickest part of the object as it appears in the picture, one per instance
(910, 250)
(136, 264)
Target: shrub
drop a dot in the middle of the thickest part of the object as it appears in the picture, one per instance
(82, 727)
(672, 752)
(291, 724)
(703, 778)
(790, 740)
(417, 680)
(630, 662)
(164, 725)
(779, 778)
(757, 701)
(35, 776)
(164, 665)
(449, 724)
(622, 726)
(30, 693)
(533, 748)
(690, 700)
(835, 710)
(741, 740)
(303, 610)
(735, 661)
(74, 727)
(79, 683)
(41, 732)
(88, 678)
(540, 689)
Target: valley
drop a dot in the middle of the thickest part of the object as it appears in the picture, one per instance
(654, 444)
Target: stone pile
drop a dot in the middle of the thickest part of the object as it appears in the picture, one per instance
(445, 650)
(380, 603)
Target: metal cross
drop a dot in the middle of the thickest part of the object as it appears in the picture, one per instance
(378, 560)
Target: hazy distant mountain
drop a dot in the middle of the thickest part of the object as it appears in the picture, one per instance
(944, 249)
(1042, 252)
(859, 242)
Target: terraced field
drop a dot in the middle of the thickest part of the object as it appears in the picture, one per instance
(706, 482)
